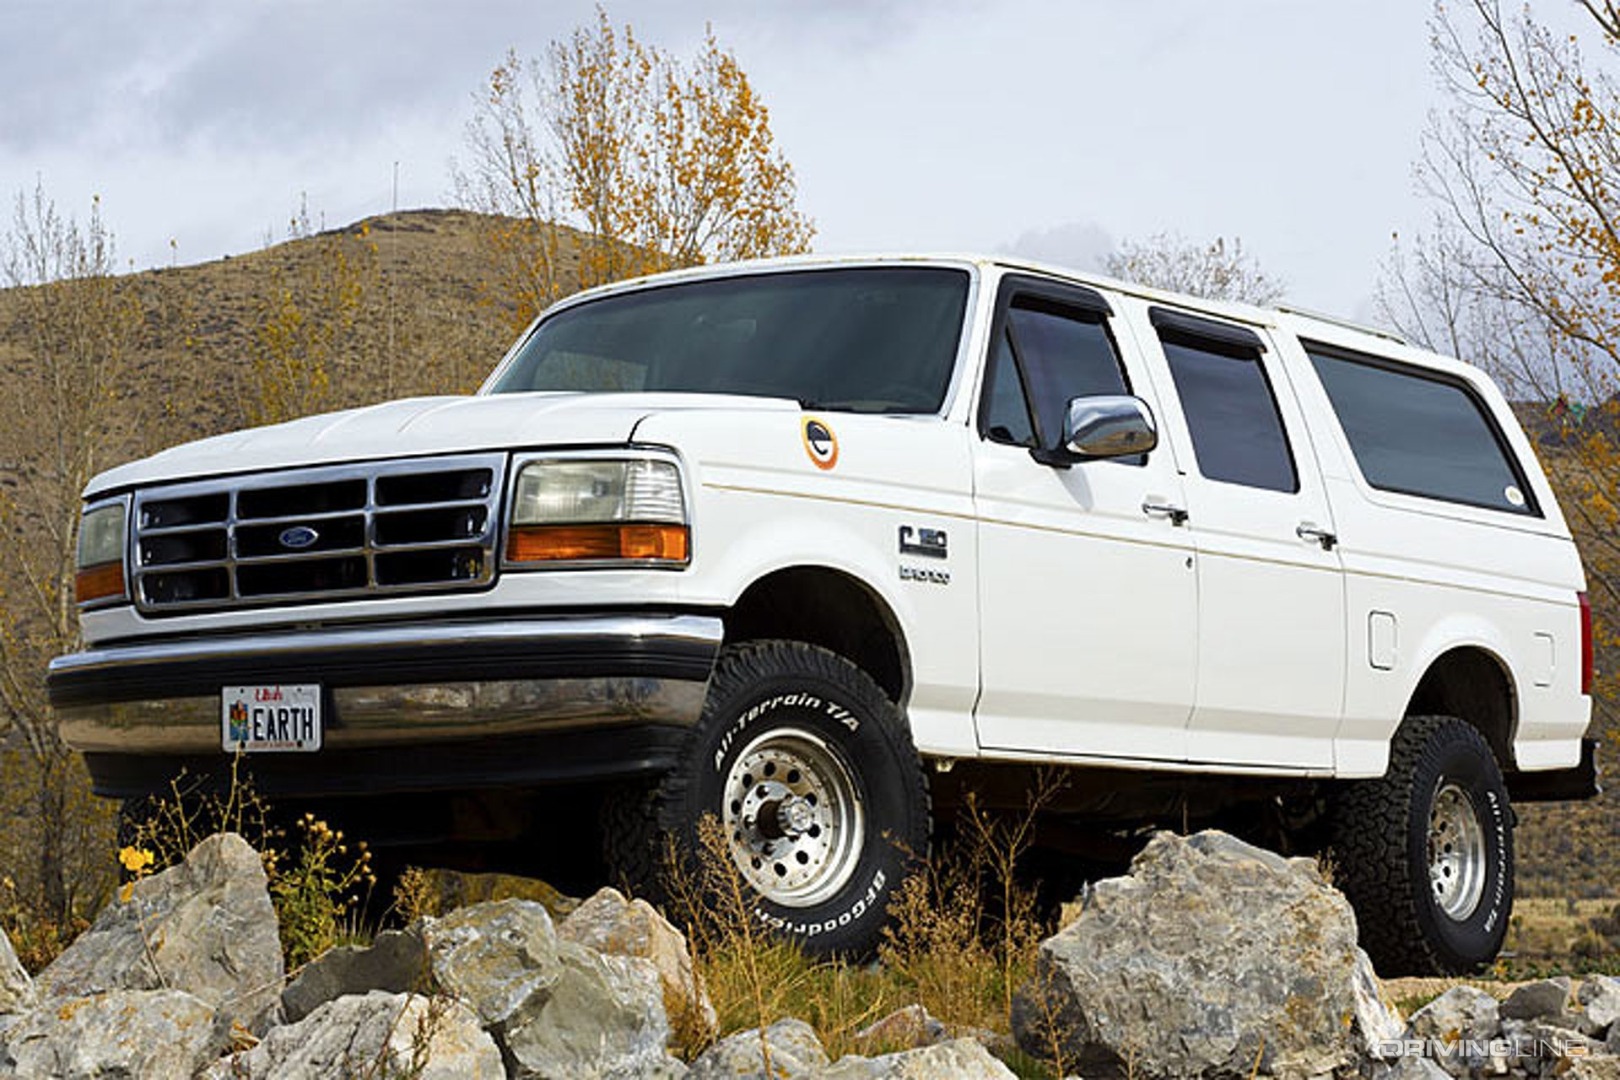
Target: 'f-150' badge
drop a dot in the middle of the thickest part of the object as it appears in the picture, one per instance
(927, 542)
(819, 442)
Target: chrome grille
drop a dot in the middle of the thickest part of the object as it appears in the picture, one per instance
(351, 531)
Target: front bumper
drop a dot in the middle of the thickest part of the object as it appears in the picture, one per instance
(408, 706)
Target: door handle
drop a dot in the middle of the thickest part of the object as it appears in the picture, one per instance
(1308, 530)
(1156, 507)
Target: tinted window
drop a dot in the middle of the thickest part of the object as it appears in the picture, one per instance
(1231, 413)
(1006, 411)
(1061, 356)
(1420, 435)
(869, 339)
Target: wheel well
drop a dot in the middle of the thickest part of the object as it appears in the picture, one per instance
(1471, 685)
(829, 608)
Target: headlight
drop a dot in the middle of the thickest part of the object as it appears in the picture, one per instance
(598, 510)
(101, 554)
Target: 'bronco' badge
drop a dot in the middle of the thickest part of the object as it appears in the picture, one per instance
(819, 442)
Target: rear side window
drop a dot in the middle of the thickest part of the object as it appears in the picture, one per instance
(1237, 433)
(1418, 434)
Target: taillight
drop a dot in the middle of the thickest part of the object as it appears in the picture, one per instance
(1586, 643)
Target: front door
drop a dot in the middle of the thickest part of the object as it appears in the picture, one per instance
(1087, 594)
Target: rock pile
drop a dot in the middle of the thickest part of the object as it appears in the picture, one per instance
(1211, 958)
(184, 979)
(1547, 1028)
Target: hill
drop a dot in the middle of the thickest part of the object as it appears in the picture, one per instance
(390, 306)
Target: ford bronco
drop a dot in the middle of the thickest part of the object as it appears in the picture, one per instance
(816, 546)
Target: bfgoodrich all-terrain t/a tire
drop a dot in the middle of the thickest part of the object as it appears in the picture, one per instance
(810, 770)
(1425, 853)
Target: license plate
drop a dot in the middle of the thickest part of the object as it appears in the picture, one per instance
(264, 719)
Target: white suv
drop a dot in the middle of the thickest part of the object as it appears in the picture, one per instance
(816, 546)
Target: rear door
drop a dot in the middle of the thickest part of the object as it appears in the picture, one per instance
(1271, 610)
(1086, 586)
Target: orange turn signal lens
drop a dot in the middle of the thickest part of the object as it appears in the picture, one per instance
(101, 582)
(580, 543)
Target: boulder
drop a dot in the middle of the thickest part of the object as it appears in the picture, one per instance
(903, 1029)
(603, 1017)
(1376, 1022)
(205, 926)
(1537, 1000)
(1413, 1067)
(794, 1048)
(1611, 1045)
(1463, 1012)
(16, 988)
(960, 1059)
(494, 956)
(1464, 1016)
(373, 1034)
(1211, 956)
(556, 1008)
(1599, 998)
(1535, 1046)
(396, 961)
(120, 1033)
(1591, 1068)
(609, 923)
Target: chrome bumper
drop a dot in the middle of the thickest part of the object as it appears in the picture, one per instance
(396, 684)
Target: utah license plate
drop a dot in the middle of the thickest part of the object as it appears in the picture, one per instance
(261, 719)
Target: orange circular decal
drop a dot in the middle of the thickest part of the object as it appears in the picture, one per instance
(819, 442)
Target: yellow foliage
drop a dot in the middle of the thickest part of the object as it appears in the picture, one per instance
(306, 341)
(658, 162)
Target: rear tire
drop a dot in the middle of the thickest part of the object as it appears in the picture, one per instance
(811, 772)
(1425, 852)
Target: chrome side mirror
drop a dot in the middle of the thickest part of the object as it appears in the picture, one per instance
(1108, 426)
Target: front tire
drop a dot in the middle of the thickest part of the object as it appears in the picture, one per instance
(1425, 853)
(811, 772)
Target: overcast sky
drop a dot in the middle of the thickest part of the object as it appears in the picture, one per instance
(1051, 128)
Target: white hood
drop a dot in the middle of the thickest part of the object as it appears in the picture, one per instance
(417, 427)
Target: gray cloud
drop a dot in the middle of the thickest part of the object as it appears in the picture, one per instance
(235, 75)
(911, 125)
(261, 74)
(1079, 245)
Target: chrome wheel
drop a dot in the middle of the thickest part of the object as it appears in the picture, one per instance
(1457, 852)
(793, 817)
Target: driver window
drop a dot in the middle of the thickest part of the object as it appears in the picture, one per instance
(1046, 355)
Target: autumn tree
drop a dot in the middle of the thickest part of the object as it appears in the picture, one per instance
(1218, 270)
(1521, 271)
(612, 158)
(69, 336)
(312, 345)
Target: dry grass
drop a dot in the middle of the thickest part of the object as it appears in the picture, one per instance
(1567, 937)
(964, 937)
(1545, 938)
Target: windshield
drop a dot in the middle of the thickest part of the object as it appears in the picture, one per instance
(869, 339)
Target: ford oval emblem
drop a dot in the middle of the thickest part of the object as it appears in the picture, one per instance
(299, 537)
